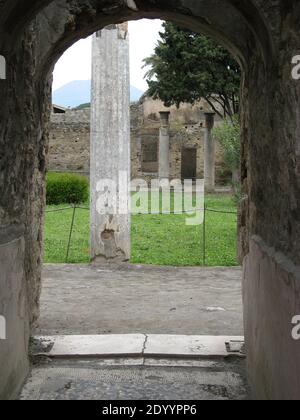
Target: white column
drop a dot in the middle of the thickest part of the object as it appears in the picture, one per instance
(164, 146)
(110, 145)
(209, 153)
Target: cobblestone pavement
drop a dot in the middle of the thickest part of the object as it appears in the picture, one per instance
(137, 379)
(82, 299)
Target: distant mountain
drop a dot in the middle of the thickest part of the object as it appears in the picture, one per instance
(135, 94)
(78, 92)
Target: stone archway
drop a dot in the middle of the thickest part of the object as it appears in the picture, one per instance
(263, 36)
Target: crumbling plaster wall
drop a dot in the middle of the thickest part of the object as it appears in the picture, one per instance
(263, 35)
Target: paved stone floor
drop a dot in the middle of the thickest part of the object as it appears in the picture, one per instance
(140, 299)
(135, 379)
(146, 300)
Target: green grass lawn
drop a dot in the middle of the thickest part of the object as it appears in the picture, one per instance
(161, 240)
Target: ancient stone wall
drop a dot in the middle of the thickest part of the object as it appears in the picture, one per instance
(69, 148)
(22, 198)
(185, 114)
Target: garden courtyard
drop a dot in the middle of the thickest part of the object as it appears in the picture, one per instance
(155, 239)
(164, 289)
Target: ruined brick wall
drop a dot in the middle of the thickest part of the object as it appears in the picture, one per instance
(185, 114)
(192, 137)
(69, 147)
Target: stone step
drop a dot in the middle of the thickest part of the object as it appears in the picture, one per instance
(138, 345)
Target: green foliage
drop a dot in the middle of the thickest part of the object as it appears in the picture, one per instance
(57, 230)
(187, 66)
(228, 135)
(66, 188)
(83, 106)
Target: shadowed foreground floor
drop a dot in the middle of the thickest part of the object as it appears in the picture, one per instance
(132, 379)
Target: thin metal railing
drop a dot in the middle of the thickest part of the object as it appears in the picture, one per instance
(205, 210)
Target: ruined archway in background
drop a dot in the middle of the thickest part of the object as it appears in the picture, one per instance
(256, 32)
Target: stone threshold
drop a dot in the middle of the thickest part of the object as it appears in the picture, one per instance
(138, 345)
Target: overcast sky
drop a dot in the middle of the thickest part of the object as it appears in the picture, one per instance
(75, 64)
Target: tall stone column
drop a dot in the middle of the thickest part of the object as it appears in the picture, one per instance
(209, 153)
(164, 146)
(110, 145)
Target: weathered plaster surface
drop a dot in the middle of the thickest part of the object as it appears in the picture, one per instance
(271, 301)
(13, 307)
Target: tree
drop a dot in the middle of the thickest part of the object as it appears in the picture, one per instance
(187, 66)
(228, 135)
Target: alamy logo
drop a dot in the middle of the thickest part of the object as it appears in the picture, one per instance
(296, 68)
(167, 197)
(2, 67)
(296, 329)
(2, 328)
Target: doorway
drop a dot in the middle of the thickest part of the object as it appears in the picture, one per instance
(189, 163)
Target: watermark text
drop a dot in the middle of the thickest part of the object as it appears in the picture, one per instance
(2, 67)
(2, 328)
(296, 67)
(160, 196)
(296, 329)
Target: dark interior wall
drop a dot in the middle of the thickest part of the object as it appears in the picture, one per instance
(23, 132)
(271, 212)
(263, 35)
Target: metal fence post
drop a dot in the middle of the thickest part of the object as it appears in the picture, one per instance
(71, 231)
(204, 237)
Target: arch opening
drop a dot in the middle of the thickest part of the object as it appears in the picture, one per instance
(262, 35)
(184, 117)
